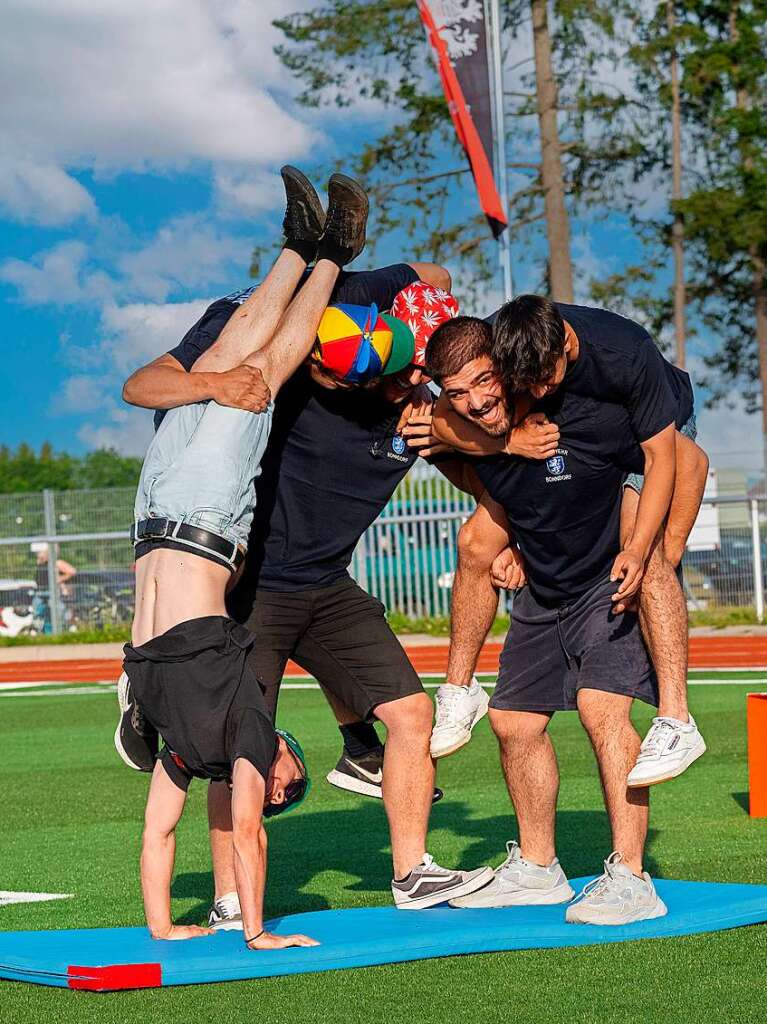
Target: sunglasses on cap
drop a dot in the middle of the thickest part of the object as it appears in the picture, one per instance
(297, 790)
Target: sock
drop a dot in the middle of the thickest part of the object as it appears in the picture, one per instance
(329, 249)
(305, 247)
(360, 739)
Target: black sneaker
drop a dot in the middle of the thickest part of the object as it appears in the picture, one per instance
(304, 213)
(136, 741)
(364, 775)
(344, 236)
(428, 885)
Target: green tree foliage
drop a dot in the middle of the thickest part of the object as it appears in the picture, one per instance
(350, 51)
(25, 470)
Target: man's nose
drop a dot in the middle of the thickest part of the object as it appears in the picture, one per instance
(477, 400)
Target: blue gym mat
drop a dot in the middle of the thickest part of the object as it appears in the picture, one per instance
(108, 959)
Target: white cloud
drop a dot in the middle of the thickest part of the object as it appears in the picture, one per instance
(139, 332)
(241, 192)
(127, 430)
(41, 193)
(79, 394)
(57, 276)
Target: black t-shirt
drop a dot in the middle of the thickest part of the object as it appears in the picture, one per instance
(332, 462)
(619, 362)
(565, 511)
(194, 685)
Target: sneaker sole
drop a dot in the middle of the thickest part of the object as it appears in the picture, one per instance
(352, 785)
(561, 894)
(462, 742)
(659, 910)
(436, 898)
(227, 926)
(359, 786)
(697, 751)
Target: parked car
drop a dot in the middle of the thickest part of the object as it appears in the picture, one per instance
(16, 600)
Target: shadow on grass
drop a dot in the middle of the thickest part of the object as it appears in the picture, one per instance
(355, 842)
(741, 799)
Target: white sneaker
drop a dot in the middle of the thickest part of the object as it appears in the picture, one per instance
(459, 708)
(225, 914)
(668, 749)
(428, 884)
(518, 882)
(616, 897)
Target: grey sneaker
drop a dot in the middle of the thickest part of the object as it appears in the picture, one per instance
(616, 897)
(225, 914)
(517, 883)
(428, 884)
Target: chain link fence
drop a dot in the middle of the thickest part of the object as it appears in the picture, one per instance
(66, 562)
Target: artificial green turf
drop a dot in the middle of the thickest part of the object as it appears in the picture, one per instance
(71, 822)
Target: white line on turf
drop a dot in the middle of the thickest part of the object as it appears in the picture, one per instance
(7, 897)
(86, 691)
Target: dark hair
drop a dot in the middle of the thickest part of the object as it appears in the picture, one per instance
(528, 339)
(455, 343)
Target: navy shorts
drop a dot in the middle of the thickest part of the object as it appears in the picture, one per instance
(551, 653)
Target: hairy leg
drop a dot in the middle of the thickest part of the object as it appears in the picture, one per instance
(475, 599)
(253, 324)
(408, 777)
(663, 618)
(606, 717)
(691, 476)
(532, 777)
(220, 831)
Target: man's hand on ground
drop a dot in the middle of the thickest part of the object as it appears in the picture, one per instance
(508, 570)
(242, 387)
(628, 567)
(183, 931)
(268, 940)
(534, 438)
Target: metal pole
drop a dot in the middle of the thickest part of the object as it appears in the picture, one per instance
(757, 543)
(493, 15)
(49, 513)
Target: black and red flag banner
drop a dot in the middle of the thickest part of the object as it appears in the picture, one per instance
(456, 33)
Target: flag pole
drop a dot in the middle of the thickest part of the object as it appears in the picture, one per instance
(492, 9)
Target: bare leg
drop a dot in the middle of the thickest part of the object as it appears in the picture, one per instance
(408, 777)
(606, 719)
(663, 618)
(691, 476)
(221, 848)
(475, 599)
(532, 777)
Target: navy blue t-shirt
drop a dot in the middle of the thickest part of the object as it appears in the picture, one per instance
(332, 462)
(565, 511)
(619, 362)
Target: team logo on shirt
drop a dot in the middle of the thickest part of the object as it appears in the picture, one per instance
(398, 444)
(556, 467)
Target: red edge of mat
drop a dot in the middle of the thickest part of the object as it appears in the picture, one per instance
(115, 977)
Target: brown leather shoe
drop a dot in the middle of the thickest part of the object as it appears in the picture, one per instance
(344, 236)
(304, 213)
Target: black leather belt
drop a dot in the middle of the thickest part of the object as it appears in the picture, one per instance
(168, 529)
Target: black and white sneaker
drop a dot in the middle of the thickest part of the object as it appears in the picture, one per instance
(364, 775)
(428, 884)
(225, 914)
(136, 741)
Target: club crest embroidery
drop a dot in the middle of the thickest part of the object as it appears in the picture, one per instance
(555, 465)
(398, 444)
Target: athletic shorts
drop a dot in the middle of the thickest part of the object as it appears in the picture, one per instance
(636, 480)
(551, 653)
(194, 686)
(340, 635)
(200, 469)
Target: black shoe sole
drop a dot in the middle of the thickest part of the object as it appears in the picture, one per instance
(299, 188)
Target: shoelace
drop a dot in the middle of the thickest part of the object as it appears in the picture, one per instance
(449, 699)
(429, 862)
(655, 739)
(228, 906)
(513, 856)
(138, 720)
(604, 881)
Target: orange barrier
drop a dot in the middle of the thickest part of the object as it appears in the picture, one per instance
(756, 713)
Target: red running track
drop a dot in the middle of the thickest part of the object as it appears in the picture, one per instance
(705, 652)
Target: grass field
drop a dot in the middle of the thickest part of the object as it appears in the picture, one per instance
(71, 819)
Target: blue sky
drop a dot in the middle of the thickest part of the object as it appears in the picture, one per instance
(139, 168)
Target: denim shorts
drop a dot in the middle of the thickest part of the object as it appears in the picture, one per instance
(688, 429)
(200, 469)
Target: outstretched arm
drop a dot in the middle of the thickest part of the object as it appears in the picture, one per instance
(250, 855)
(163, 810)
